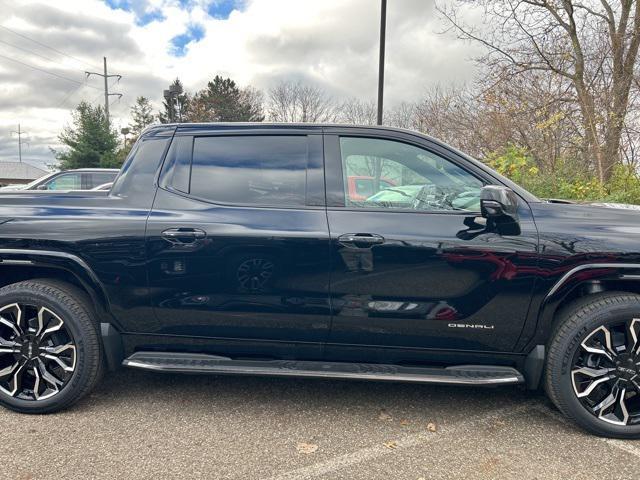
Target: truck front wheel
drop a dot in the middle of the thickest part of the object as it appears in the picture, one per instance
(593, 367)
(50, 352)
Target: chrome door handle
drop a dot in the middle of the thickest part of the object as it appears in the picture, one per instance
(361, 239)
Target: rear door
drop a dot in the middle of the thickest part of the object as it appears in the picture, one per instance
(238, 243)
(414, 270)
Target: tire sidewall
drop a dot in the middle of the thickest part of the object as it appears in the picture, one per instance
(569, 344)
(79, 333)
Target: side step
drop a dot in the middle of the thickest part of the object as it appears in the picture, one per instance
(201, 363)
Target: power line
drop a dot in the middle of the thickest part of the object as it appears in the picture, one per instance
(70, 94)
(29, 51)
(59, 52)
(67, 95)
(47, 72)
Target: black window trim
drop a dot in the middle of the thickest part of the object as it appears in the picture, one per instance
(333, 160)
(165, 176)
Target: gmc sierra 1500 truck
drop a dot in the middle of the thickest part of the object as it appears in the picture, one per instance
(241, 249)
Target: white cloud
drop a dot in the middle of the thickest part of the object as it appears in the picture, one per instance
(333, 43)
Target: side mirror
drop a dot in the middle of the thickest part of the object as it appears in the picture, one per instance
(41, 187)
(499, 203)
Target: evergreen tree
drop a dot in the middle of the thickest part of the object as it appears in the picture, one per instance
(223, 101)
(141, 116)
(90, 141)
(172, 114)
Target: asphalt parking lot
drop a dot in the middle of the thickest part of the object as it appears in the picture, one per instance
(146, 425)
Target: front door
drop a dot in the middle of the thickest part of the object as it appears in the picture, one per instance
(238, 244)
(414, 270)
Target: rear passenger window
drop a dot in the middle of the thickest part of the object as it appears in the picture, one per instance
(256, 170)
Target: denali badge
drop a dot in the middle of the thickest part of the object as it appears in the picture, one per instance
(468, 325)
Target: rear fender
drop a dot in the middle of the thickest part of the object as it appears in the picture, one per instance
(61, 261)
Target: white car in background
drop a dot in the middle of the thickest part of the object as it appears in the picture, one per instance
(78, 179)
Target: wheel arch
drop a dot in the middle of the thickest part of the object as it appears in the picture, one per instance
(17, 265)
(579, 283)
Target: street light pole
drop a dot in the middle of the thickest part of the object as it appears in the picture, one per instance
(172, 96)
(383, 28)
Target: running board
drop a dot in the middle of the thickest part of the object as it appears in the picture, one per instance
(201, 363)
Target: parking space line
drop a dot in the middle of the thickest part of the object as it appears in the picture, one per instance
(408, 441)
(629, 446)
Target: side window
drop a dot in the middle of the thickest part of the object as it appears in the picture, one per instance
(177, 169)
(255, 170)
(386, 174)
(66, 181)
(100, 178)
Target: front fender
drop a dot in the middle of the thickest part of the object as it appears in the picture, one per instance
(567, 284)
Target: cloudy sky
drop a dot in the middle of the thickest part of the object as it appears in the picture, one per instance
(45, 48)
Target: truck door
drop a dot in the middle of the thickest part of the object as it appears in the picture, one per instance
(413, 269)
(238, 243)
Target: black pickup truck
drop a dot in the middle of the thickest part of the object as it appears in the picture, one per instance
(319, 251)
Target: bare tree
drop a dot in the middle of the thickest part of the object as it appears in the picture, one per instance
(592, 45)
(296, 102)
(357, 112)
(403, 115)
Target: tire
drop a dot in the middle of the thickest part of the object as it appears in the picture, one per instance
(583, 326)
(56, 320)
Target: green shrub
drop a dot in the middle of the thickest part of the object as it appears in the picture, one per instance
(567, 181)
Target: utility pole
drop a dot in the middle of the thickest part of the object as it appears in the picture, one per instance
(383, 28)
(19, 132)
(106, 77)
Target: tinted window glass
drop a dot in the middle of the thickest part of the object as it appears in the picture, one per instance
(402, 176)
(257, 170)
(364, 186)
(177, 168)
(99, 178)
(136, 180)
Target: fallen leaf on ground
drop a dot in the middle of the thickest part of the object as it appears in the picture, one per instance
(307, 448)
(384, 416)
(404, 422)
(392, 444)
(432, 427)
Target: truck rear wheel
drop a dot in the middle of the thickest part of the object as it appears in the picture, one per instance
(593, 366)
(50, 352)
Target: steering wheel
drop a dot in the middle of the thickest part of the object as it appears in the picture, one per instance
(421, 201)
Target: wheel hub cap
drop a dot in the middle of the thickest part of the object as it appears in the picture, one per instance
(30, 347)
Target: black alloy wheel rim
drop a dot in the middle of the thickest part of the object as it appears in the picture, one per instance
(605, 373)
(37, 352)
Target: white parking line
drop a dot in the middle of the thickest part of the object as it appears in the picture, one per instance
(408, 441)
(629, 446)
(626, 445)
